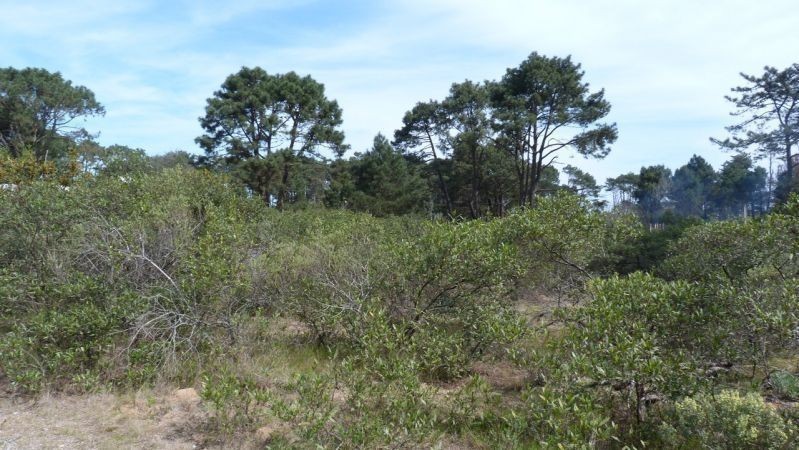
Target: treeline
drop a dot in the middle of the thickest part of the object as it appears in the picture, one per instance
(482, 150)
(738, 189)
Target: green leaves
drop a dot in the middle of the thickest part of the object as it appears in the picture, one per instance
(37, 111)
(381, 181)
(727, 420)
(493, 145)
(283, 118)
(769, 104)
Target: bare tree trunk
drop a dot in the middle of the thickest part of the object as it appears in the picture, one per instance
(281, 196)
(442, 184)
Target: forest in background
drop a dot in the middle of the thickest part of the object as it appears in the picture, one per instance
(445, 288)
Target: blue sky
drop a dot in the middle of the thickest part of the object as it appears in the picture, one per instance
(665, 65)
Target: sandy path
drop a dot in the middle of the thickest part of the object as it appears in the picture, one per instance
(101, 421)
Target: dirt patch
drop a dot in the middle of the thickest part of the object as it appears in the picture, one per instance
(502, 375)
(145, 419)
(535, 302)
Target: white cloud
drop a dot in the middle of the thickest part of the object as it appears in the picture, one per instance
(665, 65)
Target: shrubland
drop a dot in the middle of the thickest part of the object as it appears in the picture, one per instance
(332, 328)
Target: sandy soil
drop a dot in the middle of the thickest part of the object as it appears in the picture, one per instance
(103, 421)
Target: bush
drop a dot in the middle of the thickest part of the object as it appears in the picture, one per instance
(563, 419)
(646, 250)
(731, 251)
(725, 421)
(237, 403)
(564, 242)
(64, 345)
(750, 268)
(784, 384)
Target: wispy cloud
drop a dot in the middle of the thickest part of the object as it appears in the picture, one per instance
(665, 65)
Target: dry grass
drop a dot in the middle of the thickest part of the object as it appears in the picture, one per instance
(145, 419)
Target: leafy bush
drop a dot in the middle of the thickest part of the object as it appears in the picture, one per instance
(636, 337)
(65, 345)
(452, 265)
(563, 419)
(325, 277)
(751, 269)
(731, 251)
(36, 223)
(237, 403)
(784, 384)
(564, 242)
(727, 420)
(646, 250)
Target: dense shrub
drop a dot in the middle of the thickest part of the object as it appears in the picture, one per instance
(727, 420)
(631, 341)
(176, 273)
(784, 384)
(732, 251)
(154, 261)
(71, 341)
(646, 250)
(751, 270)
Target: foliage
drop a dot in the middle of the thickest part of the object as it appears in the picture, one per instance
(734, 250)
(115, 160)
(381, 182)
(270, 123)
(562, 419)
(25, 169)
(34, 220)
(172, 241)
(695, 190)
(235, 401)
(633, 339)
(38, 110)
(582, 183)
(564, 242)
(422, 134)
(727, 420)
(651, 189)
(490, 146)
(738, 186)
(66, 342)
(691, 187)
(784, 384)
(647, 249)
(769, 105)
(537, 99)
(424, 332)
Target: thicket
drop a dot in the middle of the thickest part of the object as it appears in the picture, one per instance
(340, 329)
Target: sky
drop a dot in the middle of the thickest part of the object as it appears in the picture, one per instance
(665, 65)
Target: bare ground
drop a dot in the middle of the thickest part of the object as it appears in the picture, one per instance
(146, 419)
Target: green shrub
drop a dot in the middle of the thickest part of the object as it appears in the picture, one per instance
(562, 419)
(37, 222)
(65, 345)
(784, 384)
(633, 342)
(727, 420)
(450, 266)
(731, 251)
(237, 404)
(563, 242)
(646, 250)
(387, 405)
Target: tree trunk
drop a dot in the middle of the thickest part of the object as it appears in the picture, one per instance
(281, 196)
(442, 184)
